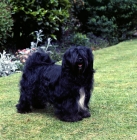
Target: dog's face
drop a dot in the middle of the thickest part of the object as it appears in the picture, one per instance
(78, 59)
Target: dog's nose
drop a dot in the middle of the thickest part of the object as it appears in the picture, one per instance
(80, 59)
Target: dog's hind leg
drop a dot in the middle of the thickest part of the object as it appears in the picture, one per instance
(24, 105)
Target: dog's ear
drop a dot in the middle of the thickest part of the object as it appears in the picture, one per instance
(68, 58)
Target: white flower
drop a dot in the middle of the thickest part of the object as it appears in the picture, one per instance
(40, 31)
(49, 40)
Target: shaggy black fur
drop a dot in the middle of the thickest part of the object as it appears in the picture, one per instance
(67, 87)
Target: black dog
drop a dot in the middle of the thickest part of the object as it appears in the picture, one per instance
(67, 87)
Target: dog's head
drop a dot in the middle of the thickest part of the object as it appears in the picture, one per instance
(78, 59)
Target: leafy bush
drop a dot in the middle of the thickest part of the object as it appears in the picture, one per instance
(29, 16)
(7, 65)
(80, 39)
(114, 20)
(6, 22)
(89, 40)
(68, 32)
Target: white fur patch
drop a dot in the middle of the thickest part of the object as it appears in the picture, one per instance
(82, 99)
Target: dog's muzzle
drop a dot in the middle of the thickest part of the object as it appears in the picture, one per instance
(80, 63)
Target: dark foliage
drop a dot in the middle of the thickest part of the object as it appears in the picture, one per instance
(30, 16)
(6, 22)
(114, 20)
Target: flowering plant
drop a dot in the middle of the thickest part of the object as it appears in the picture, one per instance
(22, 55)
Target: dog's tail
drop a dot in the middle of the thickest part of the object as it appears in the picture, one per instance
(39, 58)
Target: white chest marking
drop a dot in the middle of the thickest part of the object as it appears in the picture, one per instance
(82, 99)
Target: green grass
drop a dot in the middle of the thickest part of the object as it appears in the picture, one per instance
(113, 105)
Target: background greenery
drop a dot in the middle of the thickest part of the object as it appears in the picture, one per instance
(32, 15)
(114, 20)
(6, 22)
(113, 105)
(106, 21)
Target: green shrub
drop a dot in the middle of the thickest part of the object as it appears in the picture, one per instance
(31, 15)
(6, 22)
(80, 39)
(114, 20)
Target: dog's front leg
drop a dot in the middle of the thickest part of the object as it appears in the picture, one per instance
(68, 111)
(83, 103)
(24, 104)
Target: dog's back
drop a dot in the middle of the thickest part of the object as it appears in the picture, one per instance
(39, 68)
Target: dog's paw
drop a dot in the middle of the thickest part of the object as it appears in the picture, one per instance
(85, 114)
(23, 110)
(71, 118)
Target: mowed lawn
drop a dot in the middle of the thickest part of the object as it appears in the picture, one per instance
(113, 105)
